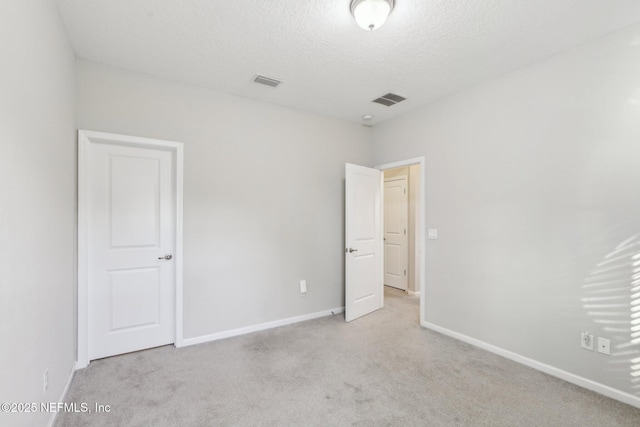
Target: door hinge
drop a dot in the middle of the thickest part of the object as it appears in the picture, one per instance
(405, 231)
(405, 272)
(405, 191)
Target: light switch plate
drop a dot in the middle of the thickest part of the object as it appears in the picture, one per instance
(432, 233)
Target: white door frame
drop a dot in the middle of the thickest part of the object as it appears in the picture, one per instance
(85, 138)
(421, 242)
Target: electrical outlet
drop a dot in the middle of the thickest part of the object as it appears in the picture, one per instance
(303, 287)
(586, 341)
(604, 346)
(45, 381)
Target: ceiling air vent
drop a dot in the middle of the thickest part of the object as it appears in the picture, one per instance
(389, 99)
(266, 81)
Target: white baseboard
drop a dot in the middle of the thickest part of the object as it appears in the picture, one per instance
(413, 294)
(259, 327)
(52, 417)
(605, 390)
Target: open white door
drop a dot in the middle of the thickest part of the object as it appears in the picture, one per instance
(364, 251)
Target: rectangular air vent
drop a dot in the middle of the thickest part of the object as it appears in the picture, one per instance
(389, 99)
(266, 81)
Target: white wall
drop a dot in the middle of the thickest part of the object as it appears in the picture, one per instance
(532, 181)
(37, 206)
(263, 196)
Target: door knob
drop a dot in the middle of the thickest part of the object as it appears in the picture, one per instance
(352, 250)
(167, 257)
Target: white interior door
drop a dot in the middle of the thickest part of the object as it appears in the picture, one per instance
(396, 239)
(364, 252)
(131, 223)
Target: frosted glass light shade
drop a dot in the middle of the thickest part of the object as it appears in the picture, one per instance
(371, 14)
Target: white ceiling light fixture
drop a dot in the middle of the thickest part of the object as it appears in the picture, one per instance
(371, 14)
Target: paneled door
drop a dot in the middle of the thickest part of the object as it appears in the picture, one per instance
(130, 200)
(396, 225)
(363, 252)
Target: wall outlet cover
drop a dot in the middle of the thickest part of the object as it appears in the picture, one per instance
(586, 341)
(604, 346)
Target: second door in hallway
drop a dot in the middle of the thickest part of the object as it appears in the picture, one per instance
(396, 220)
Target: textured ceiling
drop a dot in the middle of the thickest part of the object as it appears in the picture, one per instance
(426, 50)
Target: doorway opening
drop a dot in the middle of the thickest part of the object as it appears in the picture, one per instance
(364, 244)
(403, 201)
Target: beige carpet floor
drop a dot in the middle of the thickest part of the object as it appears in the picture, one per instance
(380, 370)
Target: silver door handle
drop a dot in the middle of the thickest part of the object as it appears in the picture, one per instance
(167, 257)
(352, 250)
